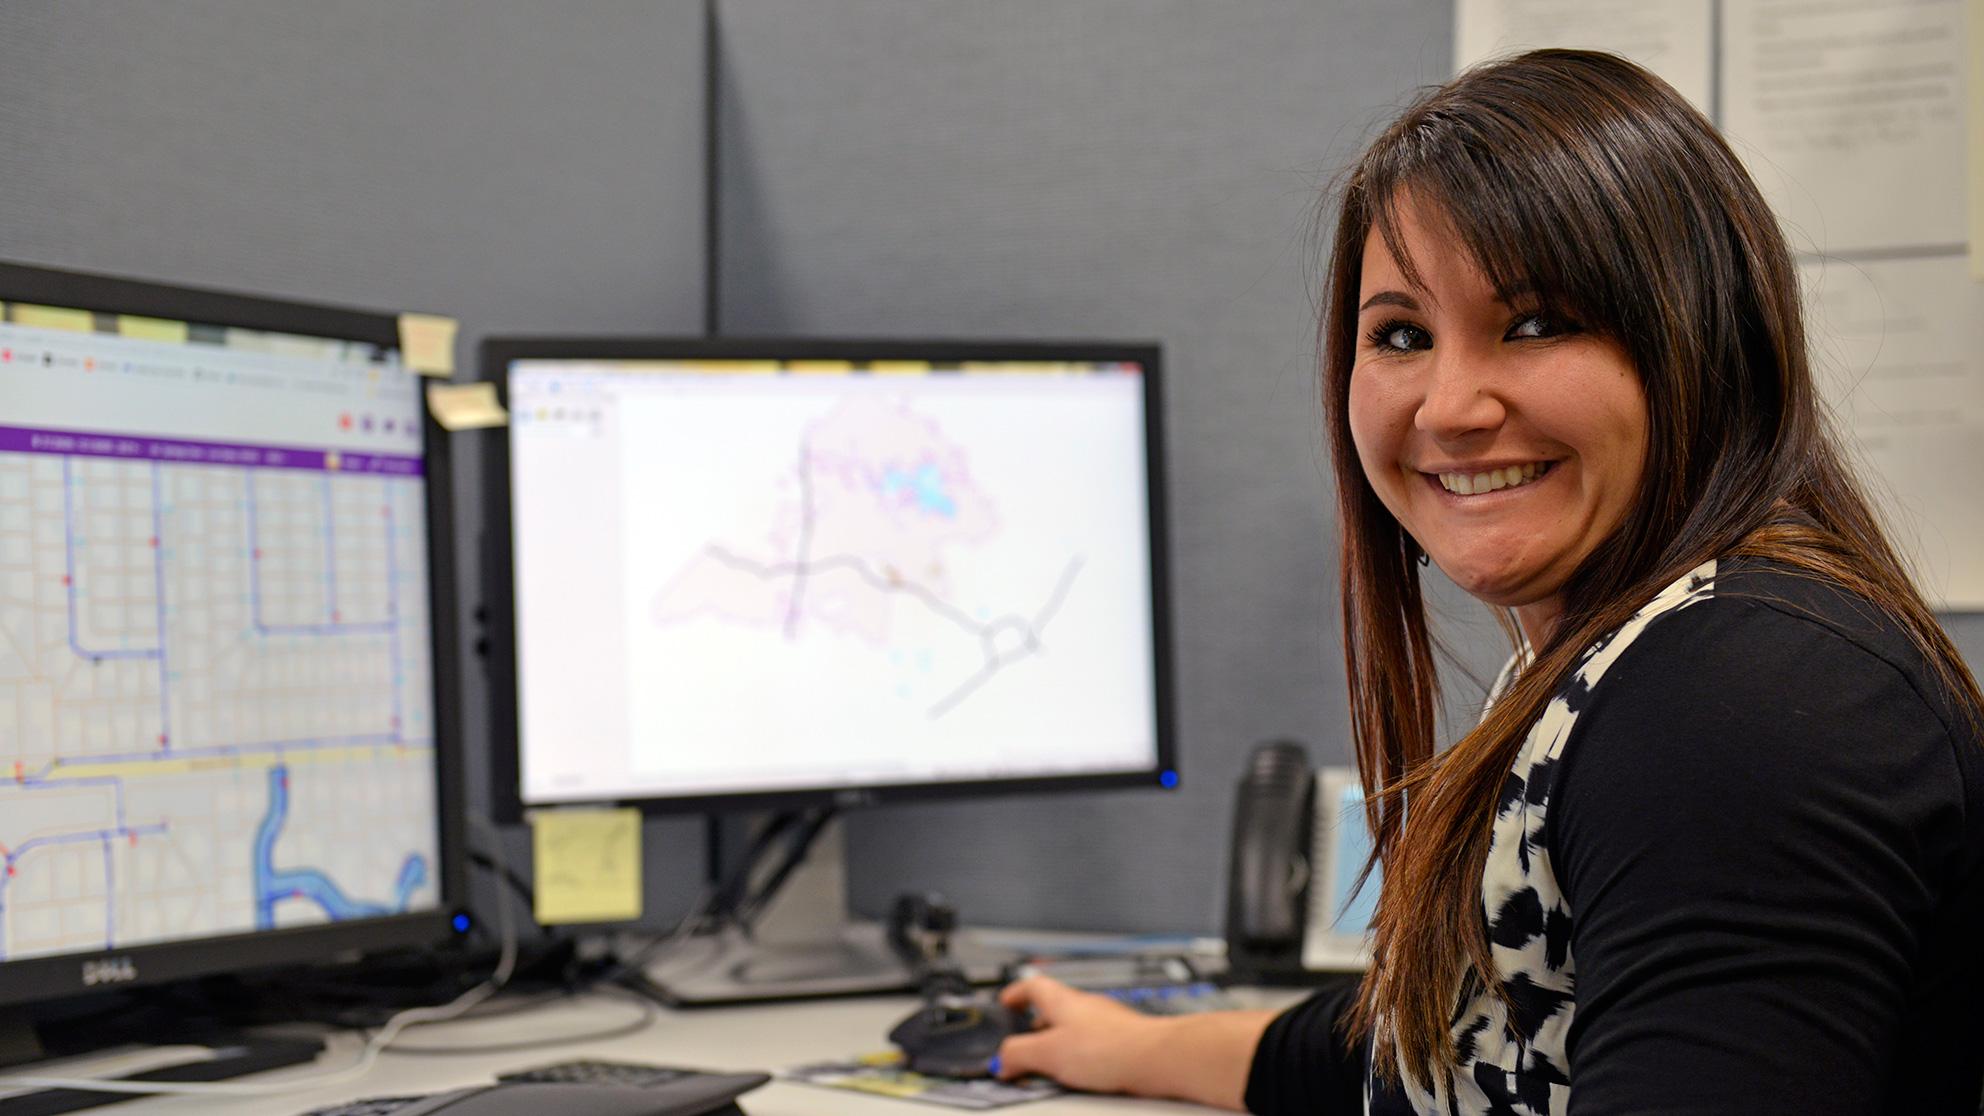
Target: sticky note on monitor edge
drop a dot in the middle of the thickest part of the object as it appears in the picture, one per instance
(586, 865)
(427, 343)
(466, 406)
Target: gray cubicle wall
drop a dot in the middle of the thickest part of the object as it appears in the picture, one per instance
(521, 166)
(1114, 168)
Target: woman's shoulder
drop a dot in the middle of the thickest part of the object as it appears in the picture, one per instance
(1777, 636)
(1772, 694)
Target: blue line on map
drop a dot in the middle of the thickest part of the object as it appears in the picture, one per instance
(69, 579)
(36, 782)
(255, 748)
(388, 627)
(14, 855)
(273, 886)
(393, 610)
(330, 557)
(413, 874)
(109, 897)
(158, 574)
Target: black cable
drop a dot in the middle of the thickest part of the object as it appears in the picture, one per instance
(797, 846)
(508, 875)
(735, 891)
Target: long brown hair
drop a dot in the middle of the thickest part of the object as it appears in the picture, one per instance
(1588, 183)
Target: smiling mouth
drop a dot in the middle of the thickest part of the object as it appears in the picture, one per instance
(1494, 480)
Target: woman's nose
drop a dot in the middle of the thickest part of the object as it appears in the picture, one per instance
(1459, 398)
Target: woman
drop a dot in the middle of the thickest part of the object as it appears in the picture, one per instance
(1715, 846)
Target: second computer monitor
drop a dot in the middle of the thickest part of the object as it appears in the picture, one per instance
(754, 572)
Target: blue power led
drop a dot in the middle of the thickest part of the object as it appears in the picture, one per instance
(1168, 780)
(460, 922)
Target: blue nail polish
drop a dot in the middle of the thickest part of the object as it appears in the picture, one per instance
(992, 1067)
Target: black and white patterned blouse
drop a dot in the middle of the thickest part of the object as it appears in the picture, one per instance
(1737, 867)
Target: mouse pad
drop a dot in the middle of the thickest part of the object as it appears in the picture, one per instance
(884, 1075)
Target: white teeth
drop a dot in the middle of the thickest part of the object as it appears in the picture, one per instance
(1475, 484)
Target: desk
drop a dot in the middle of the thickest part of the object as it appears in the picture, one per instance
(769, 1038)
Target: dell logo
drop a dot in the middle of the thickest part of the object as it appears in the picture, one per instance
(114, 970)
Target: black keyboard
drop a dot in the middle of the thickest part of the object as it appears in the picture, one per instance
(371, 1106)
(587, 1072)
(581, 1088)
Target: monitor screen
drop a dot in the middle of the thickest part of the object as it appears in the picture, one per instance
(217, 691)
(746, 571)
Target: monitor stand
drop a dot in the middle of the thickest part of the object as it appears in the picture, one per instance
(57, 1050)
(805, 946)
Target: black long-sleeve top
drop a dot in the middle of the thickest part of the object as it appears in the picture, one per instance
(1765, 831)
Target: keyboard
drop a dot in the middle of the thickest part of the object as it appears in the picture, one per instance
(574, 1089)
(1155, 984)
(590, 1072)
(1173, 999)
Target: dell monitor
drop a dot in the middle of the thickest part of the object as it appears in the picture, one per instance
(823, 573)
(783, 572)
(226, 738)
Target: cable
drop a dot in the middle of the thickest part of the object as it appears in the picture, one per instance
(648, 1014)
(507, 875)
(796, 847)
(691, 922)
(506, 963)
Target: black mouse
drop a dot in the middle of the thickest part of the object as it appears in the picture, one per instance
(956, 1036)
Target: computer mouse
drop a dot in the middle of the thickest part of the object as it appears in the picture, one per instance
(957, 1036)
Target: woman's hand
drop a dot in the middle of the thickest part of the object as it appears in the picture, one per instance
(1096, 1044)
(1080, 1039)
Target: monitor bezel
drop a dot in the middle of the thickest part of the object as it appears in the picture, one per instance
(41, 978)
(499, 596)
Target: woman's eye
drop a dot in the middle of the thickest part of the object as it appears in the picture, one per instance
(1539, 325)
(1400, 337)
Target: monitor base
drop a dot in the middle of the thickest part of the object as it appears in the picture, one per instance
(230, 1056)
(729, 968)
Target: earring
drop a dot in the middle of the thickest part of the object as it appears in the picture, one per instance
(1424, 560)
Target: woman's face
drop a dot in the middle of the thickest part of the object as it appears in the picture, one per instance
(1508, 443)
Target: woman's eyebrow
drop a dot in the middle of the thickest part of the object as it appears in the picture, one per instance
(1390, 298)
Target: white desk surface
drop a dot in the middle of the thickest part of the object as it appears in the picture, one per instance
(769, 1038)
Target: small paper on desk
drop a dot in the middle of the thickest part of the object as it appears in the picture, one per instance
(884, 1075)
(466, 406)
(587, 865)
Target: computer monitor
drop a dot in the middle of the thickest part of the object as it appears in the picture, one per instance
(738, 573)
(226, 731)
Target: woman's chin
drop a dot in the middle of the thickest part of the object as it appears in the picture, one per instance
(1491, 583)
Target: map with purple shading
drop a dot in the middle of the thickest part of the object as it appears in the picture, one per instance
(876, 502)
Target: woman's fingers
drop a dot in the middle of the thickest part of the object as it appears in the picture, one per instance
(1023, 1055)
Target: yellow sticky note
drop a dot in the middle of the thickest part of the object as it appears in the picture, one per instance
(466, 406)
(151, 329)
(427, 341)
(587, 865)
(54, 317)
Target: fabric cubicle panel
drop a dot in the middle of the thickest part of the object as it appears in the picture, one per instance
(520, 166)
(1106, 168)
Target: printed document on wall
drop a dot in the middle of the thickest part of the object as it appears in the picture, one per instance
(1851, 119)
(1669, 37)
(1894, 344)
